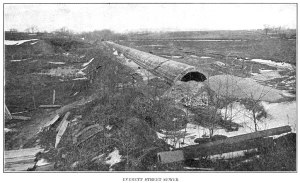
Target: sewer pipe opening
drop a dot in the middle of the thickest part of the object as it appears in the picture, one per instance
(193, 76)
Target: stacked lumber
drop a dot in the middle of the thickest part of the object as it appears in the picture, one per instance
(21, 160)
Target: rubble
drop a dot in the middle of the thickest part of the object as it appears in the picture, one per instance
(21, 160)
(192, 93)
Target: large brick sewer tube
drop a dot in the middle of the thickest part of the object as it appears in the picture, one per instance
(170, 70)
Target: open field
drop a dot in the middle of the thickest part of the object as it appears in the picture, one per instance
(132, 118)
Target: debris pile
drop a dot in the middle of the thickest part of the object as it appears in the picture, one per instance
(192, 93)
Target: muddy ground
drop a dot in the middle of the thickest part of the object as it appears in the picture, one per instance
(123, 104)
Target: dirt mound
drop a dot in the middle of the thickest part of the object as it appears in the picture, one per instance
(28, 49)
(190, 93)
(242, 88)
(43, 47)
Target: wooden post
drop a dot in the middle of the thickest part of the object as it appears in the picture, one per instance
(53, 98)
(33, 99)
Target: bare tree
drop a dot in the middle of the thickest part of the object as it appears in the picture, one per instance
(267, 29)
(32, 29)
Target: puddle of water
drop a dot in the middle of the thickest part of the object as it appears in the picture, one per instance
(279, 114)
(288, 94)
(281, 65)
(17, 42)
(266, 75)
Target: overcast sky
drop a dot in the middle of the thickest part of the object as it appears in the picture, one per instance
(153, 17)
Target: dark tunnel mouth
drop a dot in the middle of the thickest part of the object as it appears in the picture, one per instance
(193, 76)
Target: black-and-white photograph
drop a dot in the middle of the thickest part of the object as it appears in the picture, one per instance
(146, 87)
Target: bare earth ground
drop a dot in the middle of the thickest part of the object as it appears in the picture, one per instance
(84, 76)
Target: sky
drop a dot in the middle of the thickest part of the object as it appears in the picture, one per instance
(151, 17)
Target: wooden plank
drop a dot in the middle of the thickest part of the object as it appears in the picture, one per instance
(53, 120)
(19, 159)
(50, 106)
(19, 167)
(20, 112)
(87, 133)
(53, 98)
(63, 120)
(7, 113)
(23, 152)
(21, 117)
(62, 129)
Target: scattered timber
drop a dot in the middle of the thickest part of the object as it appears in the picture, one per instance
(50, 106)
(87, 133)
(63, 120)
(20, 112)
(21, 117)
(61, 128)
(21, 160)
(53, 120)
(7, 113)
(53, 97)
(231, 144)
